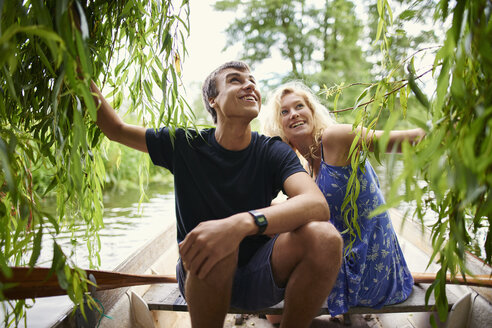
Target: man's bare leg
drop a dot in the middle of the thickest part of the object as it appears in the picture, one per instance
(208, 300)
(307, 262)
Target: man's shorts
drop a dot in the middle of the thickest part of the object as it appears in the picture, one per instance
(254, 287)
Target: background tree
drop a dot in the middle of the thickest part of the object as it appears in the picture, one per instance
(265, 24)
(47, 115)
(319, 40)
(412, 29)
(338, 33)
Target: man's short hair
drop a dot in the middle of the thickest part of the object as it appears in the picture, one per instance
(209, 88)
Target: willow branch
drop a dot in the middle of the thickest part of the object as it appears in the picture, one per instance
(385, 95)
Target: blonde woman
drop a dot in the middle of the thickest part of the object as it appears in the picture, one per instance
(374, 272)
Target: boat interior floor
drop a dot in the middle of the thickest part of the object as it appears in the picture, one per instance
(381, 320)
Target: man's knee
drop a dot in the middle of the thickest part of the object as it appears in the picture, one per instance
(322, 242)
(221, 274)
(317, 245)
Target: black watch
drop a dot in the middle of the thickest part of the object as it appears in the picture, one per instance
(260, 221)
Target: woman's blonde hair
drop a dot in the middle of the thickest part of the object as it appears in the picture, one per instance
(271, 119)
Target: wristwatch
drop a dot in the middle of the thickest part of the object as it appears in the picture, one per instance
(260, 221)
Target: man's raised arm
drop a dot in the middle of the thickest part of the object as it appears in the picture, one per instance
(113, 126)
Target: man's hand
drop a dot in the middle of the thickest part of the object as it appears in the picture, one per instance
(211, 241)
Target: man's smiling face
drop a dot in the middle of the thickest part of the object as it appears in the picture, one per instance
(237, 96)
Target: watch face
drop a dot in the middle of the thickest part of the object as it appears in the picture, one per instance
(260, 220)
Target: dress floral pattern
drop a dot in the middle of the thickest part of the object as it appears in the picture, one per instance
(374, 272)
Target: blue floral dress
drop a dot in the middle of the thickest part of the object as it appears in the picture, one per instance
(374, 272)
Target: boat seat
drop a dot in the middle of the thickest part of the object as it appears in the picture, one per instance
(166, 297)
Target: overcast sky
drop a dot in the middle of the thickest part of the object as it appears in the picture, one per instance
(207, 41)
(208, 38)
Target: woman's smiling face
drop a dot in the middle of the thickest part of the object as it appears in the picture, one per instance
(297, 117)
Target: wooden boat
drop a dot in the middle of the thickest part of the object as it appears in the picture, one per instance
(125, 307)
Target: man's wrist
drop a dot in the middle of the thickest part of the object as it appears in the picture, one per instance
(245, 224)
(259, 220)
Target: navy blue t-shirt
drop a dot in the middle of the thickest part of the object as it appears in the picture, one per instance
(211, 182)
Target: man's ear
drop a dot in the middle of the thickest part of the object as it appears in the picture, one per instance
(211, 102)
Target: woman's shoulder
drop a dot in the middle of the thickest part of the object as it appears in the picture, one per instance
(336, 140)
(338, 136)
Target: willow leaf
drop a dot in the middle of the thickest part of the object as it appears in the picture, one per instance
(89, 102)
(403, 101)
(458, 14)
(84, 27)
(36, 251)
(422, 98)
(44, 59)
(354, 145)
(82, 54)
(4, 157)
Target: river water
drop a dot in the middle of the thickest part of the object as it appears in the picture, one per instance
(128, 226)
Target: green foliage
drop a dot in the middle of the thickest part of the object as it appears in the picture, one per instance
(48, 139)
(449, 173)
(458, 174)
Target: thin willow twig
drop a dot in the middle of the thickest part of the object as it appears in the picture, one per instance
(385, 95)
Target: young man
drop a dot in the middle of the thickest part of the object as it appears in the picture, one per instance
(225, 179)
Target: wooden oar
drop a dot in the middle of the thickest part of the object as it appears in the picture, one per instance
(40, 282)
(478, 280)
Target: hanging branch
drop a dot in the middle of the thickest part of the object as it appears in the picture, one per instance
(385, 95)
(49, 144)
